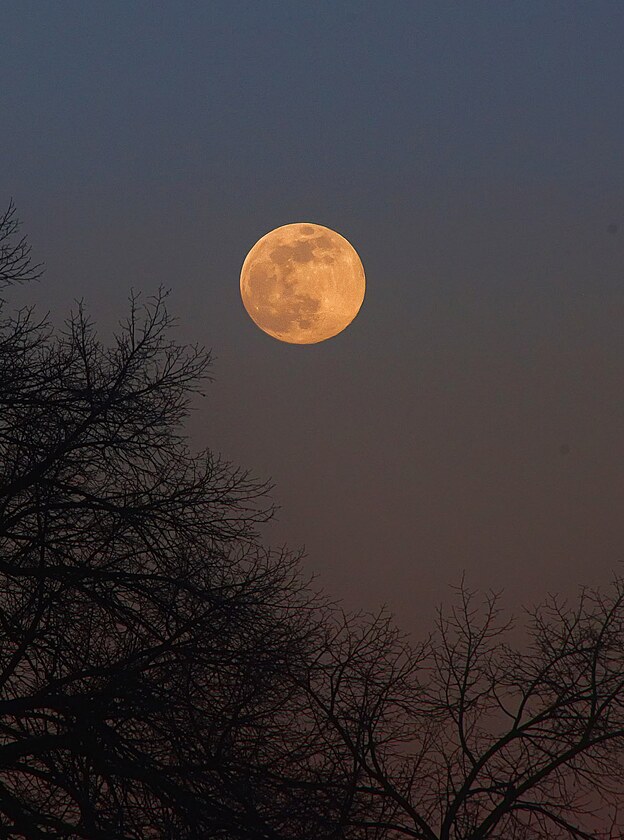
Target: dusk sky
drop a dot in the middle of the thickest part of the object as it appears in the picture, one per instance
(471, 418)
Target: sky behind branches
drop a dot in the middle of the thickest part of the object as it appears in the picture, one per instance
(472, 416)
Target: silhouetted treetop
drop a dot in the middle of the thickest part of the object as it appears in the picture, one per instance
(16, 265)
(494, 740)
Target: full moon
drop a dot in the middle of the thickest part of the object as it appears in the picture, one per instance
(302, 283)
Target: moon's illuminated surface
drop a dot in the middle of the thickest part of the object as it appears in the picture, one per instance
(302, 283)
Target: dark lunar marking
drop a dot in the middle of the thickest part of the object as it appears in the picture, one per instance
(305, 309)
(301, 310)
(304, 251)
(307, 230)
(280, 254)
(262, 280)
(300, 252)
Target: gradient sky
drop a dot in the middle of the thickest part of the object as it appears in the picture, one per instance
(472, 417)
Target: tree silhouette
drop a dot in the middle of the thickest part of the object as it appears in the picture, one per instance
(477, 738)
(156, 663)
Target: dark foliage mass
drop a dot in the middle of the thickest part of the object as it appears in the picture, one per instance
(162, 675)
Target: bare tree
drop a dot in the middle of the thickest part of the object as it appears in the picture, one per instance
(476, 738)
(155, 661)
(16, 265)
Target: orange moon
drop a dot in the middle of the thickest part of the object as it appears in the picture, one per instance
(302, 283)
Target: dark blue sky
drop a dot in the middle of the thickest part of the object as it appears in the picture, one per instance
(472, 417)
